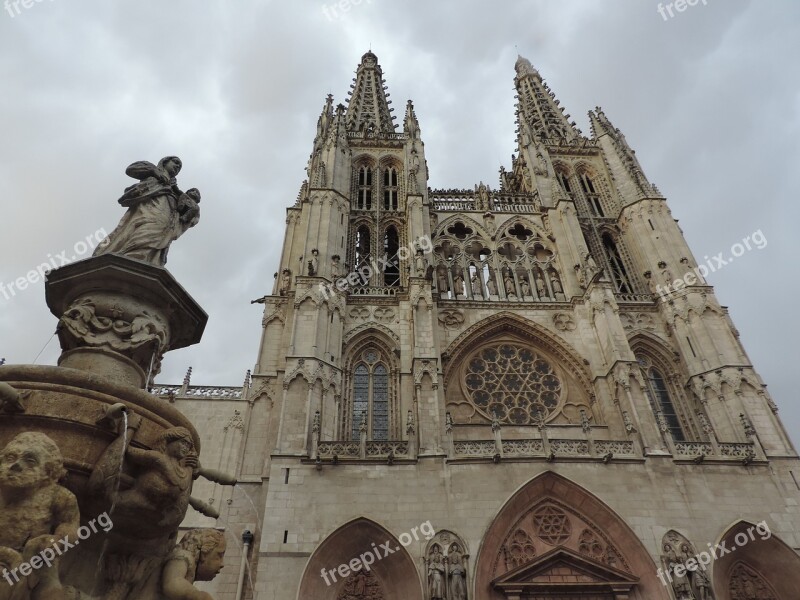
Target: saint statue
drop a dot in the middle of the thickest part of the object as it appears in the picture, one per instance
(458, 284)
(477, 292)
(458, 574)
(158, 213)
(436, 574)
(491, 285)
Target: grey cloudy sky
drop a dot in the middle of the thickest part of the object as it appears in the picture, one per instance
(710, 100)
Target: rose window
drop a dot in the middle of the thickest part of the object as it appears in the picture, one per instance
(512, 383)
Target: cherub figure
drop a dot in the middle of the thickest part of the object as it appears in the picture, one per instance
(160, 493)
(198, 557)
(35, 511)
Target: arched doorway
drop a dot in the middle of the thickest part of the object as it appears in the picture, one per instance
(756, 565)
(555, 540)
(331, 574)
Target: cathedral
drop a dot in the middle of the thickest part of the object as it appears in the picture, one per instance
(479, 394)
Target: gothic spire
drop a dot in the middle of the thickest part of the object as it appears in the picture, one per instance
(604, 131)
(410, 122)
(368, 106)
(538, 112)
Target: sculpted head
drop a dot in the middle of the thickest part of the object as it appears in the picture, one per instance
(171, 164)
(30, 460)
(176, 442)
(208, 547)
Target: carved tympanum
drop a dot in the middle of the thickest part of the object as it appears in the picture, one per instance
(361, 585)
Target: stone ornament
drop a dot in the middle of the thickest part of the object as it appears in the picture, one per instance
(121, 328)
(35, 512)
(158, 213)
(11, 400)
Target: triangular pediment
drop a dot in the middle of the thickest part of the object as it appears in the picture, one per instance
(563, 569)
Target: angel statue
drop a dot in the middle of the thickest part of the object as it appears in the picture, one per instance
(158, 213)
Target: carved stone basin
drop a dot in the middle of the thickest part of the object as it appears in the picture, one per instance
(68, 405)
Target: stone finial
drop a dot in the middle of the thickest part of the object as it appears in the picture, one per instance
(187, 380)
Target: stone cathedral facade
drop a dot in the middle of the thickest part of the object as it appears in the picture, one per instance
(477, 394)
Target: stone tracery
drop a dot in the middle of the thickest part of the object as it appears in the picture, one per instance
(518, 264)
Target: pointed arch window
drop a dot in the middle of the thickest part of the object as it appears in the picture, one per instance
(618, 270)
(591, 195)
(370, 400)
(391, 246)
(660, 399)
(363, 250)
(390, 188)
(562, 177)
(364, 192)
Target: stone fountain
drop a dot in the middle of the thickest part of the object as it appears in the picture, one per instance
(96, 473)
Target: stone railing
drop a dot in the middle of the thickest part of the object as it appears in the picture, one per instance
(374, 291)
(363, 135)
(720, 451)
(382, 450)
(544, 448)
(693, 449)
(206, 391)
(498, 201)
(339, 449)
(635, 298)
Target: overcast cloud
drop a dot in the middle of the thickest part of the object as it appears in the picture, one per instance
(710, 100)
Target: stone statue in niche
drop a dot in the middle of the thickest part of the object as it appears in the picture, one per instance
(491, 285)
(458, 574)
(556, 283)
(34, 510)
(508, 282)
(458, 284)
(526, 287)
(590, 268)
(680, 583)
(436, 582)
(482, 195)
(541, 289)
(419, 264)
(702, 584)
(313, 264)
(477, 291)
(441, 280)
(286, 279)
(198, 557)
(158, 213)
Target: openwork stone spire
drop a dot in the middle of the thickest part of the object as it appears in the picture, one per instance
(368, 106)
(602, 126)
(538, 112)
